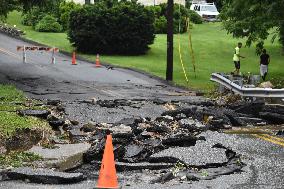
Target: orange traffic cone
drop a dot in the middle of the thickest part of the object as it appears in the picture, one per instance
(74, 59)
(98, 64)
(107, 176)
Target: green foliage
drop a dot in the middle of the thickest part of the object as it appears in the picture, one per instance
(9, 93)
(10, 100)
(65, 9)
(121, 28)
(161, 25)
(5, 7)
(259, 47)
(10, 122)
(277, 83)
(194, 17)
(32, 17)
(179, 18)
(253, 19)
(35, 12)
(204, 173)
(188, 3)
(48, 24)
(47, 6)
(18, 159)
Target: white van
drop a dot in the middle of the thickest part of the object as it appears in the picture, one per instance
(207, 11)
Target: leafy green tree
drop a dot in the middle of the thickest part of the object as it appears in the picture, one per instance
(65, 9)
(5, 7)
(32, 17)
(254, 19)
(29, 4)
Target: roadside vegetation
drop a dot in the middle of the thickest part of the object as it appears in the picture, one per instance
(12, 125)
(18, 159)
(12, 100)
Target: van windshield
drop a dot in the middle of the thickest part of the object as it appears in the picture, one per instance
(209, 8)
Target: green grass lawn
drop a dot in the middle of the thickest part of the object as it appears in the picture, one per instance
(212, 46)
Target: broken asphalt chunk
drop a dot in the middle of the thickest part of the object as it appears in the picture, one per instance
(44, 176)
(182, 140)
(36, 113)
(200, 155)
(53, 102)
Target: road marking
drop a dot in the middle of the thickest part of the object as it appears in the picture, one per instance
(259, 133)
(273, 137)
(108, 92)
(10, 53)
(19, 57)
(274, 140)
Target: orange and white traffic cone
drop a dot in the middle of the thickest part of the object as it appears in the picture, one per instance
(74, 59)
(107, 176)
(98, 64)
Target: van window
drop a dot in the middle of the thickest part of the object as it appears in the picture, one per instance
(209, 8)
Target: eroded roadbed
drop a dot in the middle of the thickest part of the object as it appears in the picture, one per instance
(163, 136)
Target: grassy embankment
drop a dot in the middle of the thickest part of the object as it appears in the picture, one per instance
(11, 100)
(213, 53)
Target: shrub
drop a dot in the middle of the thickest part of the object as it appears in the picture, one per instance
(120, 28)
(179, 17)
(65, 9)
(32, 17)
(48, 24)
(161, 25)
(194, 17)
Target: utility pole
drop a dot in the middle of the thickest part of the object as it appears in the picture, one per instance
(170, 40)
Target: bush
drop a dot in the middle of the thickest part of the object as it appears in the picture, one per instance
(194, 17)
(65, 9)
(179, 16)
(48, 24)
(120, 28)
(32, 17)
(161, 25)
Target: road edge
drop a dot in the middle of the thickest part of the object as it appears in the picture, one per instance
(163, 81)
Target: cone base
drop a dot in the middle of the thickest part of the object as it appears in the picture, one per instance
(107, 188)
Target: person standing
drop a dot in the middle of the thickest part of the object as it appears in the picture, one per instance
(236, 59)
(264, 61)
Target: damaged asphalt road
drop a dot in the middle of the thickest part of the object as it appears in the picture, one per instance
(164, 137)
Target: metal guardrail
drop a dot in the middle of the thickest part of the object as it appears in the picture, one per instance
(247, 92)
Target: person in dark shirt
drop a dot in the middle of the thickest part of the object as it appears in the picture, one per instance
(264, 61)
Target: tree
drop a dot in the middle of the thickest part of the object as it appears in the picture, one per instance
(254, 19)
(5, 7)
(29, 4)
(26, 5)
